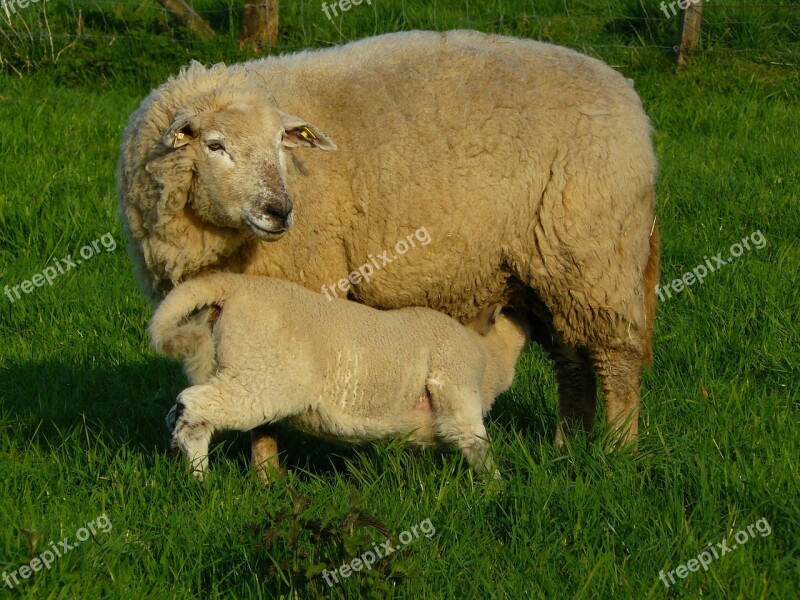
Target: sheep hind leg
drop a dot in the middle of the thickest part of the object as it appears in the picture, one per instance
(620, 372)
(575, 375)
(577, 392)
(459, 421)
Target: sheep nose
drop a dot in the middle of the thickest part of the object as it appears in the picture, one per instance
(281, 212)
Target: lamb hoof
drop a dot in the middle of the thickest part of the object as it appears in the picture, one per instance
(172, 418)
(495, 485)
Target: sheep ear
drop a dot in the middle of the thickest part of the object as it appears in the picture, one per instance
(486, 319)
(182, 131)
(300, 134)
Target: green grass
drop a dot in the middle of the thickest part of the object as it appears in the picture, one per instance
(83, 397)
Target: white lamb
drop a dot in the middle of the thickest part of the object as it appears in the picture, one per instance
(261, 350)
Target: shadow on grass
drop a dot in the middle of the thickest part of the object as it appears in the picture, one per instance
(125, 404)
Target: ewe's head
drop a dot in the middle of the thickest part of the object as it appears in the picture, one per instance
(226, 161)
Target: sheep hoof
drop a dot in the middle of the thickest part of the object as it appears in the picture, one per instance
(269, 471)
(560, 440)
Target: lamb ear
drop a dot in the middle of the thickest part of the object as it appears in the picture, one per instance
(486, 319)
(298, 133)
(182, 131)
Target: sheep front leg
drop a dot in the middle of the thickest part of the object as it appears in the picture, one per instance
(265, 454)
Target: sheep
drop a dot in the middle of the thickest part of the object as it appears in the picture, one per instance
(261, 350)
(530, 165)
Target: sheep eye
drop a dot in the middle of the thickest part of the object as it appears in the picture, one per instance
(215, 146)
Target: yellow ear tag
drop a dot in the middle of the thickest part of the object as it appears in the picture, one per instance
(307, 133)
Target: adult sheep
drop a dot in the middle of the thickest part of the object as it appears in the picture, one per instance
(530, 166)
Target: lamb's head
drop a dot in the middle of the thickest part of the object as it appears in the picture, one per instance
(504, 334)
(228, 164)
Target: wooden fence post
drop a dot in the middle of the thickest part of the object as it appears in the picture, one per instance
(259, 24)
(690, 29)
(184, 14)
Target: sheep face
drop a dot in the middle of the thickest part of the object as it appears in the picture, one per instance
(233, 159)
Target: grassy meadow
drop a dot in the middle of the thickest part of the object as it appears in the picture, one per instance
(83, 398)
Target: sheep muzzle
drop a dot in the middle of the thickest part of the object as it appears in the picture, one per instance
(269, 218)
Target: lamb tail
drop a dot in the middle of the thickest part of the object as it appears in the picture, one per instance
(173, 333)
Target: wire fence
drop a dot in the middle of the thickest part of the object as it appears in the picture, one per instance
(34, 32)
